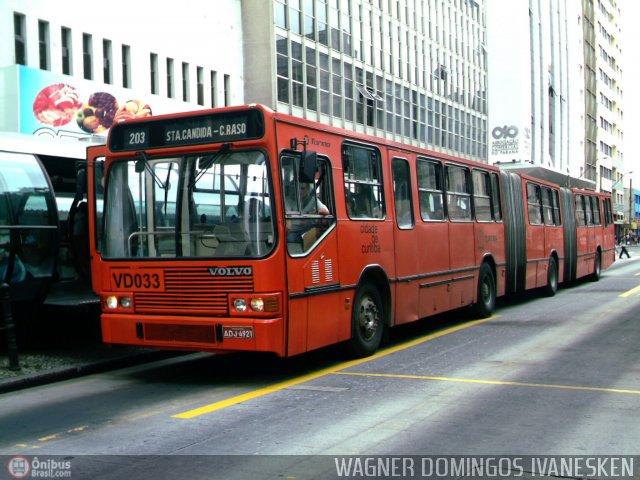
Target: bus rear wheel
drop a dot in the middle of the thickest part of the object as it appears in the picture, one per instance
(486, 296)
(367, 321)
(552, 278)
(597, 268)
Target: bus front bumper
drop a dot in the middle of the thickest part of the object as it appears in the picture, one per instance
(195, 333)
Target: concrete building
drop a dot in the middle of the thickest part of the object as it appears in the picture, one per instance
(558, 104)
(165, 59)
(409, 70)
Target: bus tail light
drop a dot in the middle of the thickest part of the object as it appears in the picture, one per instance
(258, 304)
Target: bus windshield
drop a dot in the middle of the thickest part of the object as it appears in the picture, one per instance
(209, 205)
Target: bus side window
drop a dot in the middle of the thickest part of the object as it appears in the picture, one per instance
(534, 204)
(458, 193)
(402, 193)
(481, 195)
(430, 190)
(363, 182)
(495, 197)
(580, 215)
(595, 206)
(547, 206)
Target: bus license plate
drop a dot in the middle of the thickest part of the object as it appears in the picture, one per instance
(243, 333)
(126, 280)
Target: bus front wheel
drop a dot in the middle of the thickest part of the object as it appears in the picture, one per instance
(367, 321)
(486, 296)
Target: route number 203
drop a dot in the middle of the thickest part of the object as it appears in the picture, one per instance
(137, 138)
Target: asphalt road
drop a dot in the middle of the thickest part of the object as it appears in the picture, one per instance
(544, 376)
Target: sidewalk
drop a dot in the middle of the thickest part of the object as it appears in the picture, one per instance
(47, 366)
(59, 344)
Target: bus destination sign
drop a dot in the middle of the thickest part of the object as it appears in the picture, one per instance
(197, 129)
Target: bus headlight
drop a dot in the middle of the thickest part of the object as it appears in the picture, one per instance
(111, 302)
(265, 305)
(257, 304)
(125, 302)
(240, 304)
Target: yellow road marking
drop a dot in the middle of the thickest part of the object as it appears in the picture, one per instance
(628, 293)
(53, 436)
(491, 382)
(321, 373)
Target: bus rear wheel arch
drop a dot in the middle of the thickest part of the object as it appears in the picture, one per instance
(367, 321)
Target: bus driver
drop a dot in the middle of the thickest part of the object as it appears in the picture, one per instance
(309, 205)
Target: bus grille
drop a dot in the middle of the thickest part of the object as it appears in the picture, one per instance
(193, 291)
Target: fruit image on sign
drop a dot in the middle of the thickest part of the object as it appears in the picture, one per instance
(133, 109)
(56, 104)
(97, 115)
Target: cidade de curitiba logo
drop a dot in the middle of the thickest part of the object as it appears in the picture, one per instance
(230, 271)
(22, 467)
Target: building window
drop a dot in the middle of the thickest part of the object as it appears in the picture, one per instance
(214, 88)
(227, 90)
(153, 59)
(43, 44)
(170, 88)
(20, 38)
(185, 82)
(67, 59)
(200, 80)
(107, 61)
(126, 66)
(87, 59)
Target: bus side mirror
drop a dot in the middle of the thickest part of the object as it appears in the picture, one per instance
(307, 170)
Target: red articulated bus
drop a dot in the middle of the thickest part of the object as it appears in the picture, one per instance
(242, 229)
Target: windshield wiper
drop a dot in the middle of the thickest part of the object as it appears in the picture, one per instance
(142, 164)
(205, 163)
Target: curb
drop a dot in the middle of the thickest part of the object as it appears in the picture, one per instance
(66, 373)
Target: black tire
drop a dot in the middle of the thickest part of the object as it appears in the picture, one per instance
(551, 287)
(597, 268)
(486, 296)
(367, 321)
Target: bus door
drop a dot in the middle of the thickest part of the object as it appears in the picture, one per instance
(462, 261)
(595, 222)
(536, 255)
(405, 243)
(582, 234)
(432, 257)
(312, 254)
